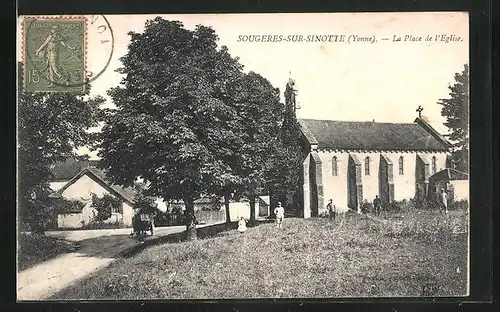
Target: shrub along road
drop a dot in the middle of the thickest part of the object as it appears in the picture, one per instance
(98, 248)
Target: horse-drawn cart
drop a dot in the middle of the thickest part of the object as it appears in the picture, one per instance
(142, 224)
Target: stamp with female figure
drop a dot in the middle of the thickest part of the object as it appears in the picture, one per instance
(54, 54)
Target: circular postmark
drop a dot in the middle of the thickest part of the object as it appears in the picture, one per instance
(65, 53)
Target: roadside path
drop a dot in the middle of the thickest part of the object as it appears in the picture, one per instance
(98, 249)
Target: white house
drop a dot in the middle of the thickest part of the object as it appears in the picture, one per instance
(90, 181)
(454, 182)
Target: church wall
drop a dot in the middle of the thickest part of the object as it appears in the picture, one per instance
(371, 181)
(404, 184)
(335, 187)
(440, 162)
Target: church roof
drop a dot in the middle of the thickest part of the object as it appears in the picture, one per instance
(358, 135)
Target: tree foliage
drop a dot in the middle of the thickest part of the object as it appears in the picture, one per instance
(51, 126)
(257, 104)
(65, 206)
(173, 119)
(191, 123)
(105, 206)
(285, 164)
(456, 110)
(144, 203)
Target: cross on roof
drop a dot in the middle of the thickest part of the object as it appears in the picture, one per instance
(419, 110)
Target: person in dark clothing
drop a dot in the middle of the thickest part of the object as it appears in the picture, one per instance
(376, 204)
(331, 209)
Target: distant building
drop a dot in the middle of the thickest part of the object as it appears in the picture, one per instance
(79, 179)
(454, 182)
(90, 181)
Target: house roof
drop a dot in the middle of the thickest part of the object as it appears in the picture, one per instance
(449, 174)
(358, 135)
(66, 170)
(99, 176)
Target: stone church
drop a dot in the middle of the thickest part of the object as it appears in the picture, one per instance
(351, 162)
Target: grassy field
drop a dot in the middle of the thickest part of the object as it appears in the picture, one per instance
(34, 249)
(405, 254)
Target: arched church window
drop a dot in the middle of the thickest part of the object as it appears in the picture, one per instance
(334, 166)
(434, 167)
(367, 165)
(401, 165)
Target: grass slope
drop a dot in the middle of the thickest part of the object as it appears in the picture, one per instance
(409, 254)
(34, 249)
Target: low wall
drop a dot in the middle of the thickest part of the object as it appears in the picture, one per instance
(461, 189)
(71, 220)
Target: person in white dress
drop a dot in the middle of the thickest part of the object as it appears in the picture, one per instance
(444, 201)
(280, 215)
(242, 225)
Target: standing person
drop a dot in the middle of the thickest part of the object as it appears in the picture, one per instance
(242, 225)
(376, 205)
(280, 215)
(331, 209)
(444, 200)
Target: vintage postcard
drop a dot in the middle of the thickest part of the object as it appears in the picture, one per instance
(239, 156)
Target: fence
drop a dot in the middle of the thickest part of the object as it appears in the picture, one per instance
(210, 216)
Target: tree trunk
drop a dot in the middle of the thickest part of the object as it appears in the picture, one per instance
(226, 205)
(190, 220)
(252, 210)
(271, 204)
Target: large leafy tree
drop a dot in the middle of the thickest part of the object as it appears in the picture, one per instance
(456, 110)
(259, 109)
(51, 126)
(173, 125)
(283, 170)
(142, 202)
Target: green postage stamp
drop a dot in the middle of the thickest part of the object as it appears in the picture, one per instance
(54, 51)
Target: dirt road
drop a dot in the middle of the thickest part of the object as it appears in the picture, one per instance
(98, 249)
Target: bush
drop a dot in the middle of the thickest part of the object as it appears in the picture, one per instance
(23, 226)
(462, 204)
(399, 206)
(103, 206)
(424, 203)
(366, 207)
(324, 214)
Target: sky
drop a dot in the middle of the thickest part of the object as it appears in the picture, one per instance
(365, 80)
